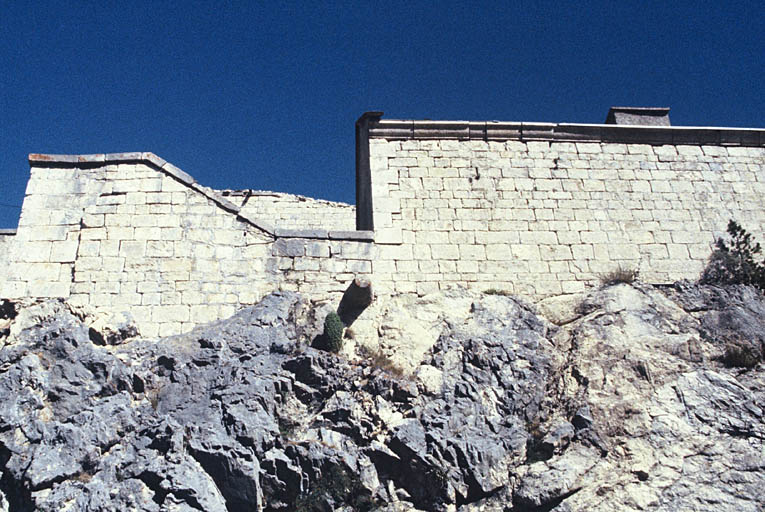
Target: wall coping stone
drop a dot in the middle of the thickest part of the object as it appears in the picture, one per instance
(393, 129)
(301, 233)
(361, 235)
(7, 232)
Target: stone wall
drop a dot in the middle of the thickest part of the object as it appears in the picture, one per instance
(133, 233)
(7, 236)
(532, 209)
(547, 217)
(293, 211)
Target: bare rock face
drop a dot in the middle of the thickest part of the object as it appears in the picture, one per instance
(625, 405)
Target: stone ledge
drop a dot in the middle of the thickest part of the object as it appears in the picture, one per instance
(566, 132)
(361, 236)
(323, 234)
(7, 232)
(301, 233)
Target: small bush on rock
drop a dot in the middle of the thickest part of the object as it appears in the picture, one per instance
(735, 262)
(379, 360)
(740, 355)
(333, 332)
(620, 275)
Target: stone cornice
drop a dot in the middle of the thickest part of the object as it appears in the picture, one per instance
(394, 129)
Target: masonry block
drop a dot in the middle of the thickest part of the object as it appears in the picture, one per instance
(289, 247)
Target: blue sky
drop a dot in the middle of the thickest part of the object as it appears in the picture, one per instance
(264, 95)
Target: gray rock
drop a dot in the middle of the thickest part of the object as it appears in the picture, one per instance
(622, 407)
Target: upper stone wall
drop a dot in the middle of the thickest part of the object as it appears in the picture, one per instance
(541, 217)
(293, 211)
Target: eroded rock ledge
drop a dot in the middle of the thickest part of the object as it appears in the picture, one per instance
(624, 406)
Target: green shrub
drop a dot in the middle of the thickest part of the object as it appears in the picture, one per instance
(735, 262)
(337, 486)
(620, 275)
(333, 331)
(379, 360)
(739, 354)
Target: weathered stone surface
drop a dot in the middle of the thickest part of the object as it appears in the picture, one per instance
(502, 410)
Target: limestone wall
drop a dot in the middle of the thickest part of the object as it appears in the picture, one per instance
(133, 233)
(531, 209)
(7, 237)
(545, 217)
(293, 211)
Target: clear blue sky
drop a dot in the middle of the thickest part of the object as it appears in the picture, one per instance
(251, 95)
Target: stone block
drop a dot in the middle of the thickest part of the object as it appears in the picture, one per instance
(302, 263)
(64, 251)
(132, 249)
(145, 233)
(358, 266)
(169, 329)
(525, 251)
(112, 264)
(33, 252)
(587, 147)
(582, 252)
(498, 252)
(182, 265)
(64, 217)
(555, 252)
(45, 233)
(472, 252)
(135, 198)
(389, 236)
(624, 252)
(289, 247)
(48, 289)
(539, 237)
(467, 267)
(317, 249)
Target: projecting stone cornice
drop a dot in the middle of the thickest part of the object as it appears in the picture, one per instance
(392, 129)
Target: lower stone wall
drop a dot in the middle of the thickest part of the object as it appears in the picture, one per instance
(127, 237)
(322, 266)
(6, 240)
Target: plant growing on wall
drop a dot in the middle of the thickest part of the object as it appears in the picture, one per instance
(735, 262)
(333, 332)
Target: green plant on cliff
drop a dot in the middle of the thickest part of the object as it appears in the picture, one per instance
(620, 275)
(735, 262)
(333, 331)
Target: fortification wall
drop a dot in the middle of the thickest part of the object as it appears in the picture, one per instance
(294, 212)
(543, 217)
(7, 236)
(133, 233)
(532, 209)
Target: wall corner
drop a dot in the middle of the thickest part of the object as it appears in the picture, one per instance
(364, 215)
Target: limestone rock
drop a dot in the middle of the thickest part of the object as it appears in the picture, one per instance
(625, 407)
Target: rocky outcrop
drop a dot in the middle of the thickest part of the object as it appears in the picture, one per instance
(625, 405)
